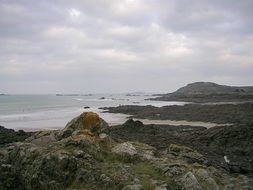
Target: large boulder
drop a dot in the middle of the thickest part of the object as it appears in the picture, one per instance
(190, 182)
(187, 153)
(135, 148)
(205, 180)
(42, 138)
(88, 123)
(125, 148)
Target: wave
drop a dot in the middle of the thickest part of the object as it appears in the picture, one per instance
(78, 99)
(41, 115)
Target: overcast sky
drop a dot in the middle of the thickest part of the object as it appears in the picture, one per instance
(90, 46)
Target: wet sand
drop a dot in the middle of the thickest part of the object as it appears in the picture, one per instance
(111, 118)
(122, 118)
(183, 122)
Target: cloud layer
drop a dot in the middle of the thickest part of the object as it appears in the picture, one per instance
(94, 46)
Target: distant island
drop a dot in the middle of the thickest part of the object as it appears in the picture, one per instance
(200, 92)
(74, 94)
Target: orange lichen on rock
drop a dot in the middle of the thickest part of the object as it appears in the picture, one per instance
(88, 124)
(91, 121)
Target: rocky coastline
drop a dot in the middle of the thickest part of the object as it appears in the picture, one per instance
(216, 113)
(90, 154)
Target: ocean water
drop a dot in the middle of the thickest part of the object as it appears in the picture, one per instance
(34, 112)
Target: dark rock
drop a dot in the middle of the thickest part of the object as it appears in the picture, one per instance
(235, 142)
(130, 123)
(9, 135)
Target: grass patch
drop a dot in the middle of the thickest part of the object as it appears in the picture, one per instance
(116, 158)
(146, 171)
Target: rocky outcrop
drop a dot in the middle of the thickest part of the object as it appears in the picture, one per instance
(9, 135)
(188, 154)
(134, 148)
(85, 157)
(43, 137)
(88, 123)
(125, 148)
(228, 147)
(233, 143)
(189, 181)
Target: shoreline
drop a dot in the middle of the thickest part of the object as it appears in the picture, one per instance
(221, 114)
(182, 123)
(206, 125)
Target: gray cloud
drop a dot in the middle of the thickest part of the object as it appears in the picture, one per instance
(118, 46)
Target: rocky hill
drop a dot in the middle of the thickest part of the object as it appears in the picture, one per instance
(89, 154)
(209, 92)
(211, 88)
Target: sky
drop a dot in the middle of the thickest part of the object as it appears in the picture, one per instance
(114, 46)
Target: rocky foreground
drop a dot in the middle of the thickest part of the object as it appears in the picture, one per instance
(89, 154)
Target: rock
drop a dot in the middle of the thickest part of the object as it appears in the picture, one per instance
(179, 148)
(133, 187)
(229, 187)
(86, 107)
(160, 188)
(205, 180)
(159, 185)
(88, 123)
(187, 153)
(130, 123)
(81, 174)
(9, 135)
(105, 179)
(189, 182)
(42, 137)
(144, 150)
(103, 135)
(77, 140)
(125, 148)
(173, 169)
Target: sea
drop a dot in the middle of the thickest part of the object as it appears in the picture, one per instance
(37, 112)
